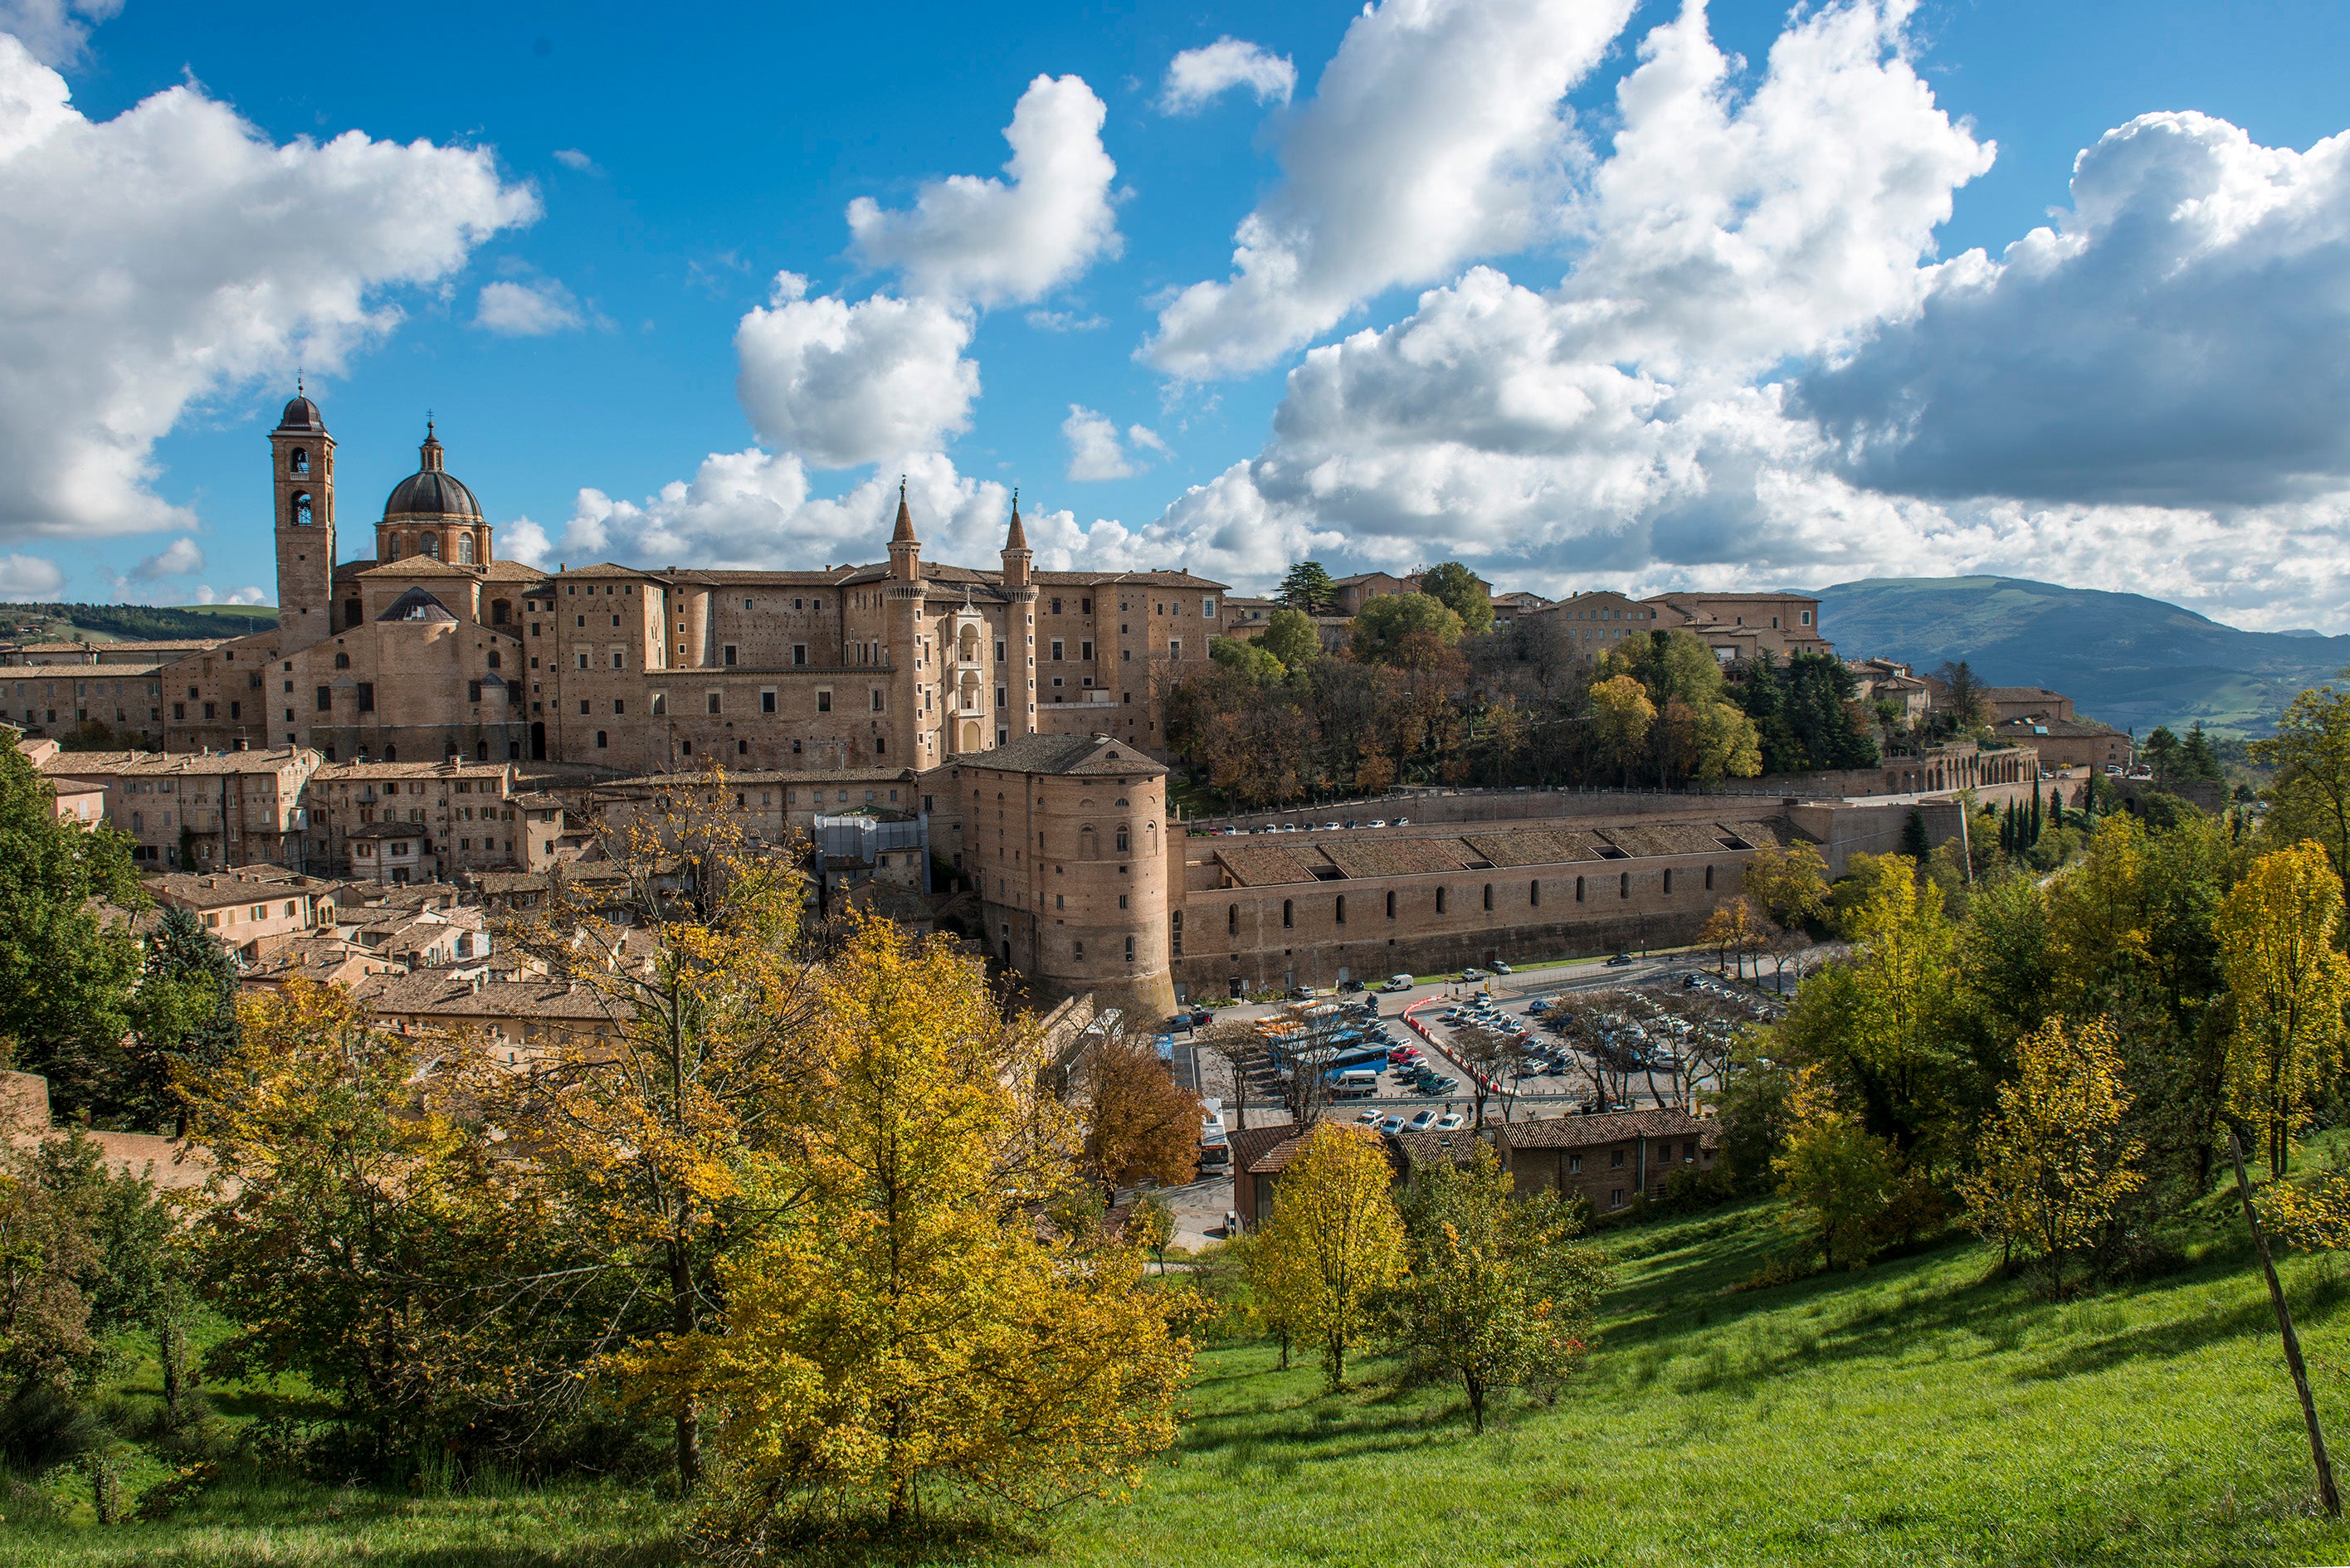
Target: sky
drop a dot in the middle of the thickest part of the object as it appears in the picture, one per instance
(1586, 293)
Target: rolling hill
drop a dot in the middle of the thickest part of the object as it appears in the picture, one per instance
(132, 623)
(2133, 661)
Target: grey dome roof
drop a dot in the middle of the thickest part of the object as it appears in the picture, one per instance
(432, 493)
(301, 414)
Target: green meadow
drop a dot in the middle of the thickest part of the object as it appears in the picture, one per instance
(1924, 1410)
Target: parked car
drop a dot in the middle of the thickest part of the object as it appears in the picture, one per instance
(1501, 967)
(1538, 1006)
(1619, 960)
(1300, 994)
(1378, 822)
(1391, 1124)
(1350, 986)
(1403, 822)
(1397, 983)
(1329, 827)
(1422, 1122)
(1449, 1120)
(1472, 973)
(1370, 1118)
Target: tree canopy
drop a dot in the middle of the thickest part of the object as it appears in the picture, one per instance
(1456, 588)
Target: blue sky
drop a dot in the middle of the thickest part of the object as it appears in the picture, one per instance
(629, 188)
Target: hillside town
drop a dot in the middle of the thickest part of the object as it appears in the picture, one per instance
(1494, 781)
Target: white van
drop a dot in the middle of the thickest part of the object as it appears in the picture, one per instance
(1355, 1081)
(1397, 983)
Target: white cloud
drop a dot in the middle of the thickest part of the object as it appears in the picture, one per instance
(527, 309)
(1197, 77)
(29, 576)
(842, 384)
(571, 158)
(172, 253)
(207, 594)
(178, 559)
(57, 32)
(1613, 428)
(1436, 135)
(2155, 376)
(992, 242)
(2175, 338)
(1065, 321)
(754, 508)
(1095, 450)
(523, 540)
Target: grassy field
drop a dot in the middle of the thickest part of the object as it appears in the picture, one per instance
(1914, 1413)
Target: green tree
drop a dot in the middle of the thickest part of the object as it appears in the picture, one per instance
(1307, 589)
(2197, 758)
(1962, 696)
(2162, 750)
(183, 1015)
(1386, 626)
(1291, 635)
(2311, 796)
(1497, 1295)
(66, 970)
(1152, 1226)
(356, 1227)
(1249, 659)
(1838, 1176)
(1457, 588)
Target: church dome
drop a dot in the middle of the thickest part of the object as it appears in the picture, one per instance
(431, 491)
(301, 414)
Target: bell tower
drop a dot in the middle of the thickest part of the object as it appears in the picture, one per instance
(302, 490)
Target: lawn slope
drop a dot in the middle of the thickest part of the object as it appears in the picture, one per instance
(1917, 1412)
(1911, 1413)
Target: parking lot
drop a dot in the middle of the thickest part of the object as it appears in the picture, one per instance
(1648, 1033)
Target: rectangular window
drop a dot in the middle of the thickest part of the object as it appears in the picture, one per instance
(618, 707)
(799, 653)
(876, 699)
(767, 700)
(583, 660)
(824, 702)
(1207, 609)
(661, 704)
(366, 696)
(713, 702)
(326, 698)
(1086, 651)
(728, 654)
(1574, 1164)
(1057, 650)
(1056, 606)
(473, 691)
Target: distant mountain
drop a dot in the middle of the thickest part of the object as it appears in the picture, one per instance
(132, 623)
(2132, 662)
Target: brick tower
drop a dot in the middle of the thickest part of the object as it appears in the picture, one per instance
(302, 491)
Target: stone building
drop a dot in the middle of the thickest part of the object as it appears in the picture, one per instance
(435, 649)
(1608, 1160)
(1067, 840)
(225, 809)
(1362, 905)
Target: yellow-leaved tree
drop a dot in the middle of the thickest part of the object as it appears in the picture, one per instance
(639, 1119)
(1789, 883)
(908, 1326)
(1839, 1177)
(2288, 985)
(1335, 1241)
(360, 1231)
(2054, 1161)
